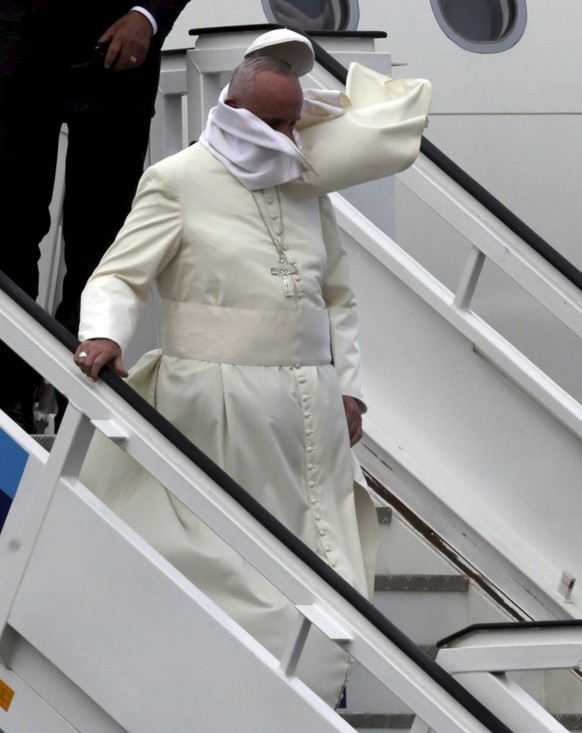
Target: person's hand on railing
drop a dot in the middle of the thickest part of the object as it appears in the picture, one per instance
(92, 355)
(354, 418)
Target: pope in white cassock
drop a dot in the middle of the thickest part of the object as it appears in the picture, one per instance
(259, 362)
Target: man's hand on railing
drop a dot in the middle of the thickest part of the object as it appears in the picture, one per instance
(92, 355)
(354, 418)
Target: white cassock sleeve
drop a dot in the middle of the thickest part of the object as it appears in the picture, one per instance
(341, 305)
(115, 294)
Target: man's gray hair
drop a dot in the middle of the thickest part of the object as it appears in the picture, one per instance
(241, 83)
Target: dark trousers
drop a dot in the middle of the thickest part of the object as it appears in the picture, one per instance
(108, 116)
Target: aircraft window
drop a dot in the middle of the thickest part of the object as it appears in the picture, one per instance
(483, 26)
(313, 15)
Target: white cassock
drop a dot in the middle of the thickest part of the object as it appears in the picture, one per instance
(258, 345)
(252, 368)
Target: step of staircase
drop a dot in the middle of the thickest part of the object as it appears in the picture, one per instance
(403, 721)
(422, 583)
(46, 441)
(426, 595)
(570, 721)
(380, 721)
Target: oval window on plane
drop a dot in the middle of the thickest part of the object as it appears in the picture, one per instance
(313, 15)
(482, 26)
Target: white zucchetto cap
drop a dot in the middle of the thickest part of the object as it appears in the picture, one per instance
(284, 44)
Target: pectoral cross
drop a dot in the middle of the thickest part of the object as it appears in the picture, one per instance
(284, 270)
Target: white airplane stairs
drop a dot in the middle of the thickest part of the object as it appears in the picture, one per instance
(471, 449)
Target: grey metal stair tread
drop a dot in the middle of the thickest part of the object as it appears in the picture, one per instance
(421, 582)
(379, 720)
(45, 440)
(570, 721)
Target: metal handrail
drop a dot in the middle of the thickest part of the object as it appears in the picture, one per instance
(501, 212)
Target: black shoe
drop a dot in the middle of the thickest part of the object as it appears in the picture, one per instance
(21, 415)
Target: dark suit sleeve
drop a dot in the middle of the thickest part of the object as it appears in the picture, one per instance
(164, 11)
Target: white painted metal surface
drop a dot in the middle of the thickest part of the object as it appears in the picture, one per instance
(482, 659)
(28, 709)
(467, 414)
(149, 649)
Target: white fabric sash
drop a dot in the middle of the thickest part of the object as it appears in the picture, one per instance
(245, 336)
